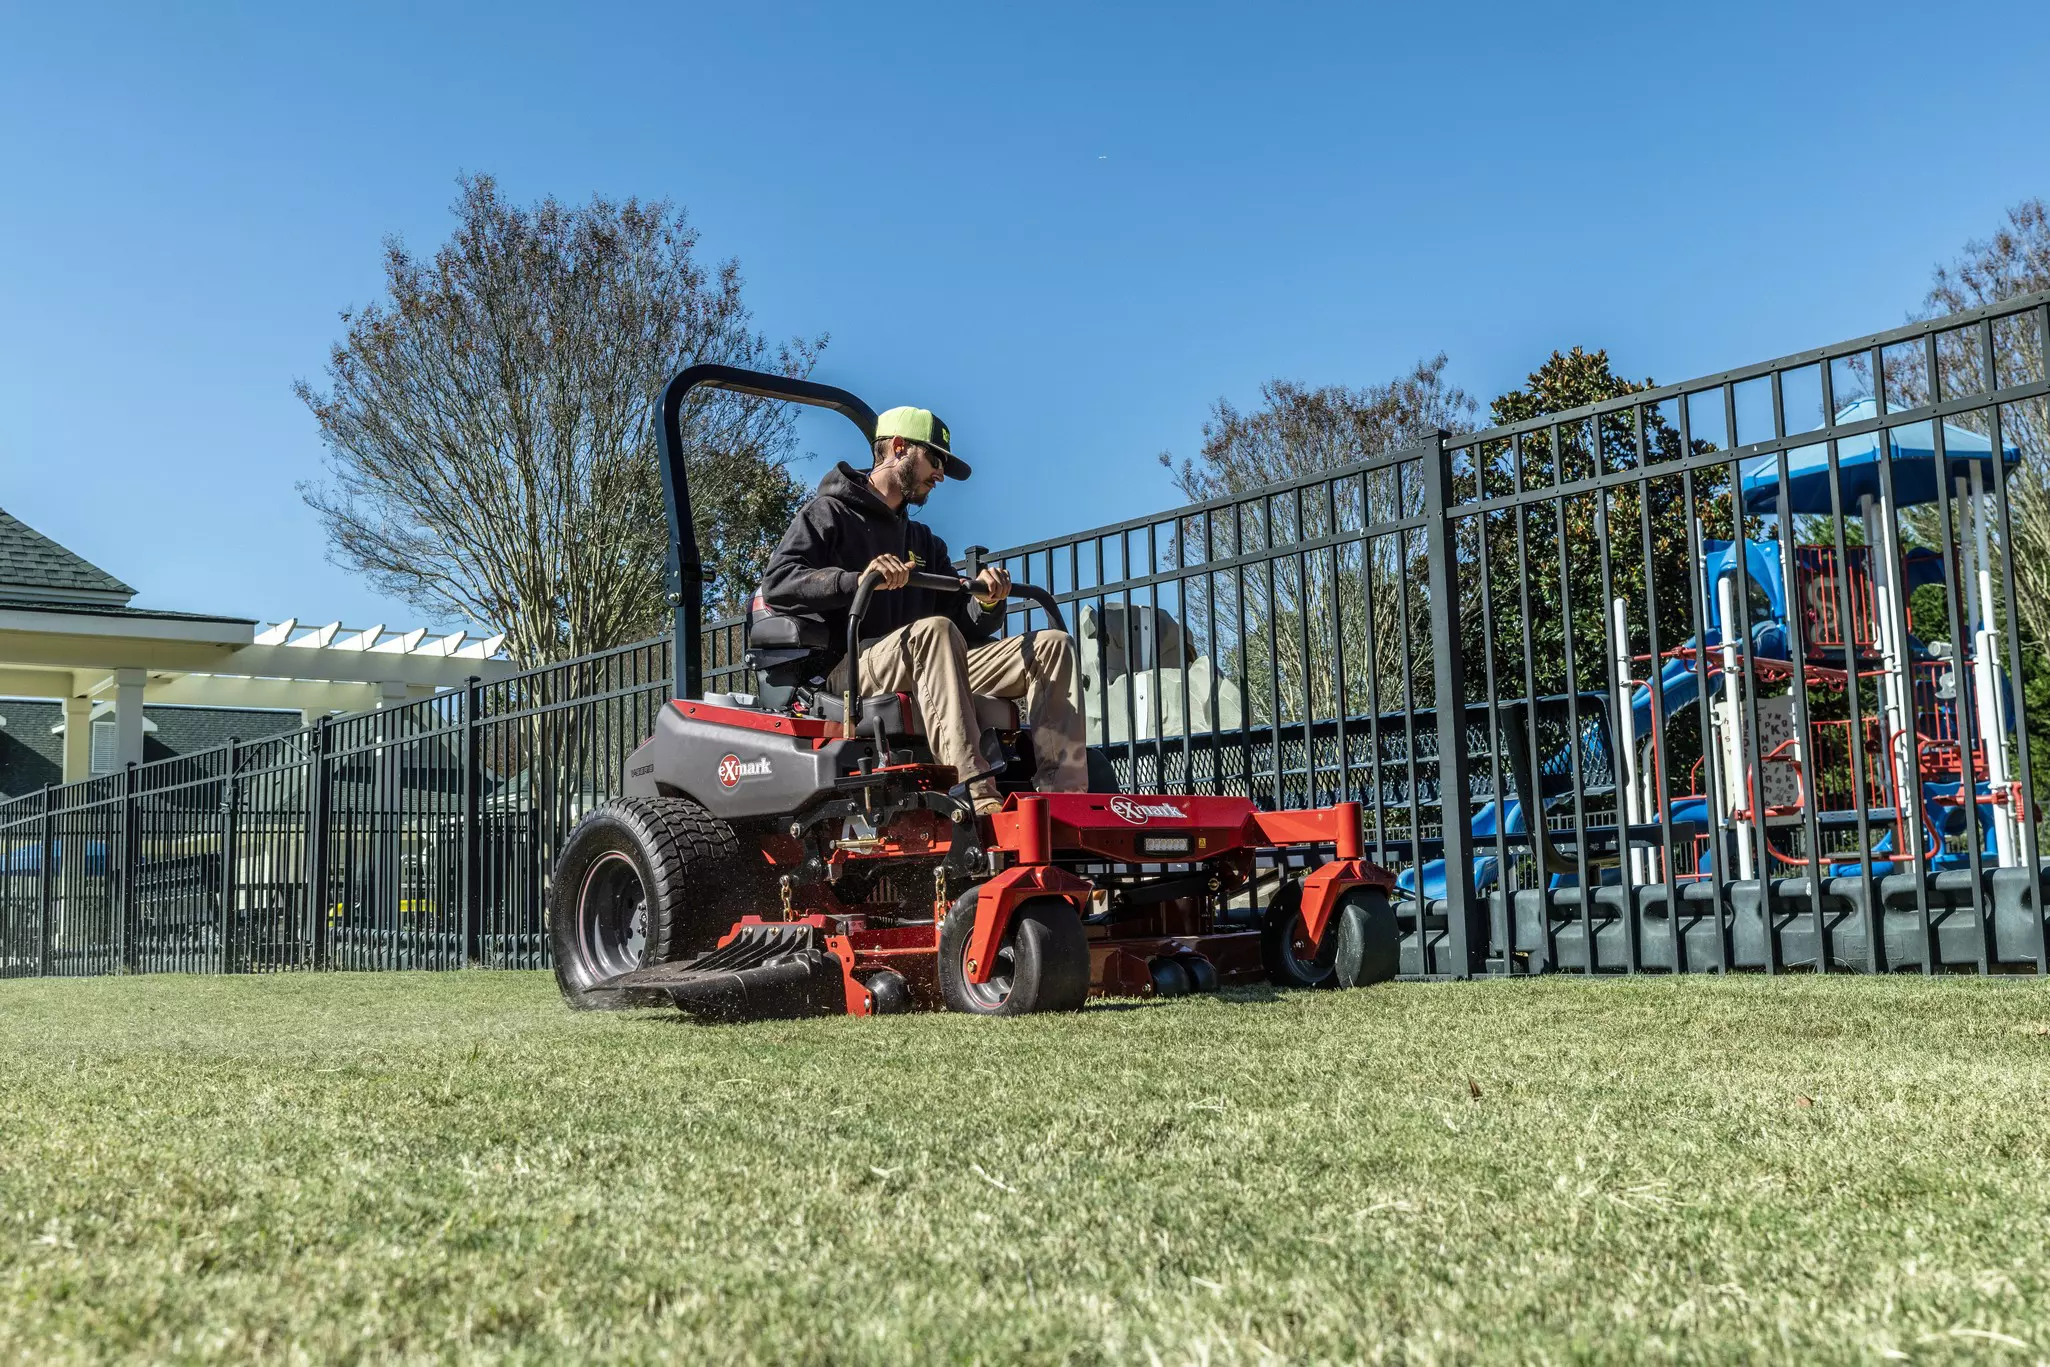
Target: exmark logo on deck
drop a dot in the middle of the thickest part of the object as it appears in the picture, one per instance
(1138, 813)
(733, 769)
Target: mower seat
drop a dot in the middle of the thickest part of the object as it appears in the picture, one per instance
(899, 712)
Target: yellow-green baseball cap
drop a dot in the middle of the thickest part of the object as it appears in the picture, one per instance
(919, 425)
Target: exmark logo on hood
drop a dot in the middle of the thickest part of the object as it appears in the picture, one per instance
(1138, 813)
(733, 769)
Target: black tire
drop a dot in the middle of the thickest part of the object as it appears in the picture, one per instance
(1283, 940)
(1170, 977)
(1368, 941)
(1042, 964)
(889, 993)
(1103, 775)
(641, 881)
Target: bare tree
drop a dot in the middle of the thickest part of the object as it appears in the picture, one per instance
(490, 423)
(1300, 431)
(2014, 261)
(1349, 603)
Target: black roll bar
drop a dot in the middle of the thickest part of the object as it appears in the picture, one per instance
(685, 578)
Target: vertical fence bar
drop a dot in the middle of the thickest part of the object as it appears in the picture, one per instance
(1656, 702)
(1962, 714)
(1871, 913)
(1907, 795)
(45, 890)
(1623, 767)
(472, 844)
(318, 799)
(1744, 719)
(230, 802)
(1531, 803)
(2017, 660)
(1797, 654)
(1466, 932)
(1569, 661)
(125, 890)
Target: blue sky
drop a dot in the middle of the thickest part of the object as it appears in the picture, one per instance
(1067, 228)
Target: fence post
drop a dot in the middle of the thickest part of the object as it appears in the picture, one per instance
(126, 906)
(316, 842)
(45, 900)
(1465, 925)
(472, 895)
(230, 800)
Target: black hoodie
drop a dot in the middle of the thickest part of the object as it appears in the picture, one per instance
(845, 525)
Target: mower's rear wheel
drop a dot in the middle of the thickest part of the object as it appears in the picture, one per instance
(1285, 948)
(641, 881)
(1042, 964)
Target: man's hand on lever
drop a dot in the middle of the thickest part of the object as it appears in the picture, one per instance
(992, 586)
(896, 574)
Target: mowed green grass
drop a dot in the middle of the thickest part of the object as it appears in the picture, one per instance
(417, 1167)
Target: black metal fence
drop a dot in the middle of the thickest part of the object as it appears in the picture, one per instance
(1728, 674)
(417, 836)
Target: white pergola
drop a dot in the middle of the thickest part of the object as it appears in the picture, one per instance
(91, 654)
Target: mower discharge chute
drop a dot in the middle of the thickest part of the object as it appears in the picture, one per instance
(798, 851)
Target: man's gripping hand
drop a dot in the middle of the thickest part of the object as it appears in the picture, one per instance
(896, 574)
(992, 586)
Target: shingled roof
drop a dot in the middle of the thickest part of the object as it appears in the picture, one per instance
(34, 568)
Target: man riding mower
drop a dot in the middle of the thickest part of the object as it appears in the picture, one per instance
(879, 827)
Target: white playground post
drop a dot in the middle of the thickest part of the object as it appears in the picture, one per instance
(1627, 777)
(1985, 667)
(1883, 560)
(1733, 733)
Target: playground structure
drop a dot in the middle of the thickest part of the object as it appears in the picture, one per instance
(1920, 760)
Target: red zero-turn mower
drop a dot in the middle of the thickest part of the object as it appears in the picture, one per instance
(798, 853)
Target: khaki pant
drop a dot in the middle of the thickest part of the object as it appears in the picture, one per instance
(930, 660)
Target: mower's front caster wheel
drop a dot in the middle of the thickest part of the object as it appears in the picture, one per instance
(1042, 964)
(641, 881)
(1285, 949)
(888, 992)
(1170, 977)
(1365, 938)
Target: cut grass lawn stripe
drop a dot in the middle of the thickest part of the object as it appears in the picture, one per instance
(420, 1167)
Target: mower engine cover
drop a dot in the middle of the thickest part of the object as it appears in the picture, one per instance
(735, 762)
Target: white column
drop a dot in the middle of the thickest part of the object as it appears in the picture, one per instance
(128, 686)
(1627, 778)
(1986, 671)
(1895, 689)
(1734, 778)
(78, 739)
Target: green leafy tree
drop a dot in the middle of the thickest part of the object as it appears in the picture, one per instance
(1571, 554)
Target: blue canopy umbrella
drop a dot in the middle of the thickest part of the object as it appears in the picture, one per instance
(1914, 466)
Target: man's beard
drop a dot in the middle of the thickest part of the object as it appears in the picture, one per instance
(918, 499)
